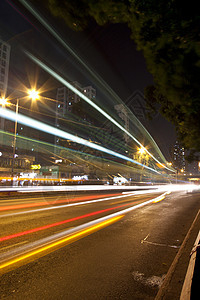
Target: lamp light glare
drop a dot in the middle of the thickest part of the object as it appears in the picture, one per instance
(34, 95)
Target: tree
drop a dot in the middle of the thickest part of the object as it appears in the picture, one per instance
(167, 32)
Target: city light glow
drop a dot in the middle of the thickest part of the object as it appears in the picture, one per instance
(4, 102)
(33, 94)
(142, 150)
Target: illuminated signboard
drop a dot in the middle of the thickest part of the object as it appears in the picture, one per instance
(35, 167)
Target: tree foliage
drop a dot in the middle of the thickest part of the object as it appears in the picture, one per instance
(167, 32)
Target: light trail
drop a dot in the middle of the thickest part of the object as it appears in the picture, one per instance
(102, 83)
(169, 188)
(75, 188)
(74, 204)
(10, 115)
(62, 242)
(79, 232)
(41, 228)
(35, 204)
(81, 95)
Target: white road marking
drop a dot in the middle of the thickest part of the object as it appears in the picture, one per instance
(157, 244)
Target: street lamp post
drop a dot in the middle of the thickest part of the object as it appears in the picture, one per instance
(14, 141)
(34, 95)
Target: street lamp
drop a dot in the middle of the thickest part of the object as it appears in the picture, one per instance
(34, 95)
(3, 102)
(142, 150)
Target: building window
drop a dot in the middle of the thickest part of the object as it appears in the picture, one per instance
(3, 63)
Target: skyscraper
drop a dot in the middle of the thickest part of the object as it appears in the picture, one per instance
(179, 157)
(90, 92)
(66, 98)
(4, 67)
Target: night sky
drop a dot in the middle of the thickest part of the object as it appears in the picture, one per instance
(110, 51)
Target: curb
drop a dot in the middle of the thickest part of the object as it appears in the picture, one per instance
(168, 279)
(187, 286)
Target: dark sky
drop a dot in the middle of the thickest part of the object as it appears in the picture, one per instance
(110, 51)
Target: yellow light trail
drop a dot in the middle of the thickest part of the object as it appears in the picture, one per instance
(159, 199)
(66, 241)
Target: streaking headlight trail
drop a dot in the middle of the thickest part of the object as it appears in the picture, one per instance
(8, 114)
(105, 114)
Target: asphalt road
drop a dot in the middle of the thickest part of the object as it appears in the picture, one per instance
(91, 245)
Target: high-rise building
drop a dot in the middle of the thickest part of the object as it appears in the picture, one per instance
(90, 92)
(4, 67)
(179, 156)
(66, 98)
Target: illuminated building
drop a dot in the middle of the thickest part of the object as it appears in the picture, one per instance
(22, 162)
(66, 98)
(4, 67)
(179, 156)
(90, 92)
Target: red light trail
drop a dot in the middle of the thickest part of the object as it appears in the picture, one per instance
(28, 205)
(8, 237)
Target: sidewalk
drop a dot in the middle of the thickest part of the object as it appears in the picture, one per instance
(174, 280)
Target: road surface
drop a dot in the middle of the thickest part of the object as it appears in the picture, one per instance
(91, 245)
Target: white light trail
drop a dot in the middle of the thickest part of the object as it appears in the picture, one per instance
(35, 245)
(155, 189)
(96, 76)
(105, 114)
(77, 203)
(8, 114)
